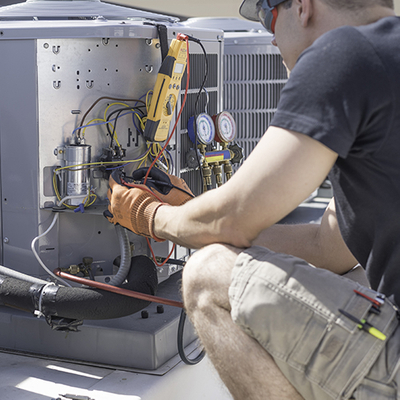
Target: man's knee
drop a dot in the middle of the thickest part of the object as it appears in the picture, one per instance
(206, 276)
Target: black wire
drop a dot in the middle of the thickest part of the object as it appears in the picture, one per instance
(115, 127)
(197, 103)
(106, 98)
(181, 350)
(198, 41)
(120, 111)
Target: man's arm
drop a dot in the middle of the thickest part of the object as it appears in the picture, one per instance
(280, 173)
(321, 244)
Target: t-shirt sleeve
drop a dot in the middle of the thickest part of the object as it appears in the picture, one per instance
(338, 94)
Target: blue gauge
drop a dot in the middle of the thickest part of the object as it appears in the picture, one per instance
(205, 129)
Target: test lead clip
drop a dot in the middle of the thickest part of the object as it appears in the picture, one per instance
(364, 325)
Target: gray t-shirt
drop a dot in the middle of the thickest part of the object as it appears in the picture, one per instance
(345, 92)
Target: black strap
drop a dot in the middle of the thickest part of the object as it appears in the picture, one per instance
(163, 36)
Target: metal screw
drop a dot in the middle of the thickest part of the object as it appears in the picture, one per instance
(6, 240)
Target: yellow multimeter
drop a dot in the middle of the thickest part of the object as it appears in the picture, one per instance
(166, 91)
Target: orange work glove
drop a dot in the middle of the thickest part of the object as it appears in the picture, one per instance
(133, 205)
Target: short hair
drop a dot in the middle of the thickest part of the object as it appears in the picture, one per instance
(353, 5)
(350, 4)
(287, 4)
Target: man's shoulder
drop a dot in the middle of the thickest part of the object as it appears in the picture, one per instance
(348, 37)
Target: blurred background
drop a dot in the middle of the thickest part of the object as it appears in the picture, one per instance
(184, 8)
(202, 8)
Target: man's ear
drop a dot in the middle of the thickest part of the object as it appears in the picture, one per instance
(304, 11)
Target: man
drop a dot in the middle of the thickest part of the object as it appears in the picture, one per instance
(274, 326)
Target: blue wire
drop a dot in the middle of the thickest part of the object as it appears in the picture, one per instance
(120, 166)
(140, 98)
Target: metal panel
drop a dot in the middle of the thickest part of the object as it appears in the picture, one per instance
(19, 162)
(72, 74)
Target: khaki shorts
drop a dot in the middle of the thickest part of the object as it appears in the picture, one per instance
(292, 310)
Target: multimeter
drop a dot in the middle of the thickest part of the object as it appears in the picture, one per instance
(166, 91)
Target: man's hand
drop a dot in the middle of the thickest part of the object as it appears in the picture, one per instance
(168, 188)
(134, 204)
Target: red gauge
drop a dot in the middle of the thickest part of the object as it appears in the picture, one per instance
(225, 127)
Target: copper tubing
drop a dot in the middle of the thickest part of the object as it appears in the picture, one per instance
(117, 290)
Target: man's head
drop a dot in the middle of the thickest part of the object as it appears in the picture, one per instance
(298, 23)
(265, 11)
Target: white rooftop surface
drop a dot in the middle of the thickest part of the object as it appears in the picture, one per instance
(29, 378)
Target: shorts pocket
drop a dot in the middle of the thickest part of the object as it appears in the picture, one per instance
(372, 390)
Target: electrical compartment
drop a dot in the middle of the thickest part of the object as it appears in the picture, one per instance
(76, 88)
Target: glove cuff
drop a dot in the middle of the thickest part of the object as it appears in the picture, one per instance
(152, 212)
(142, 215)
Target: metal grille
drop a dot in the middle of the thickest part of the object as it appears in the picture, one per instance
(254, 76)
(213, 85)
(198, 70)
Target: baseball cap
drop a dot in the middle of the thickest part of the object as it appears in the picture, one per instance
(250, 9)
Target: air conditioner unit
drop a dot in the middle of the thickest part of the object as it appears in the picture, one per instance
(63, 62)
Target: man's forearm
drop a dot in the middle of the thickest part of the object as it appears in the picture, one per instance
(297, 240)
(257, 196)
(309, 242)
(200, 222)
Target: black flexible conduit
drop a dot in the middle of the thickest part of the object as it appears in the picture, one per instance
(181, 349)
(81, 303)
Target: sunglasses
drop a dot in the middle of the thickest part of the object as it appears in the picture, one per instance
(268, 13)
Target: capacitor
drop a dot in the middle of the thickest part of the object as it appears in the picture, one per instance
(78, 176)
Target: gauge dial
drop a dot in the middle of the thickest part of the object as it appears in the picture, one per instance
(205, 129)
(225, 127)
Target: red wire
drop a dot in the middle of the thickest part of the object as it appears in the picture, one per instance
(141, 187)
(165, 146)
(154, 257)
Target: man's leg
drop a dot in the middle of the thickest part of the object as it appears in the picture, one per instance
(246, 368)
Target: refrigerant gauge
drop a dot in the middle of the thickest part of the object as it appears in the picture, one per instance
(225, 127)
(205, 129)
